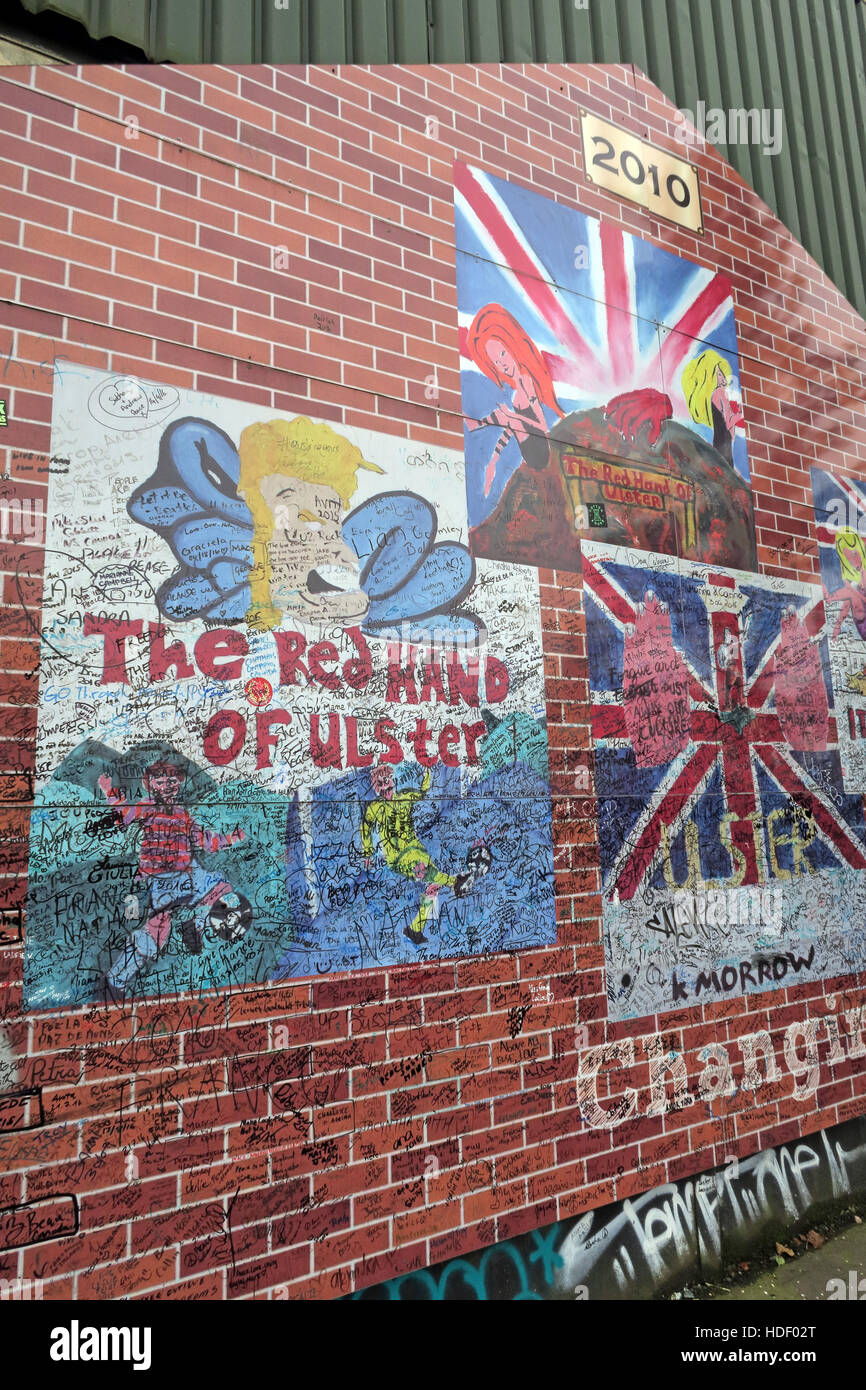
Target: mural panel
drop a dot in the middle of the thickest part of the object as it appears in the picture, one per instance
(287, 723)
(599, 386)
(840, 516)
(731, 854)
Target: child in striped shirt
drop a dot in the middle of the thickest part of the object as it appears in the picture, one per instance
(167, 864)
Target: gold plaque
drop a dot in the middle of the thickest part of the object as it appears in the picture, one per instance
(656, 179)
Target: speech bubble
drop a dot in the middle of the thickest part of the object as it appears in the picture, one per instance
(126, 403)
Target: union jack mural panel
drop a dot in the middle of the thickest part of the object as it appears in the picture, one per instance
(840, 516)
(732, 857)
(599, 379)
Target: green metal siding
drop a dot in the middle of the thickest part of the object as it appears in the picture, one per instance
(807, 57)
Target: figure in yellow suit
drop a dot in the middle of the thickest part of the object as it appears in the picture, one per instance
(390, 815)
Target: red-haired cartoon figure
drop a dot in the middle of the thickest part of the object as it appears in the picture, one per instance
(656, 484)
(504, 352)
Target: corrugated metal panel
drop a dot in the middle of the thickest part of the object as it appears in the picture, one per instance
(805, 57)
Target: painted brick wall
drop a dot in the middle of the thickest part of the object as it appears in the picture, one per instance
(143, 1149)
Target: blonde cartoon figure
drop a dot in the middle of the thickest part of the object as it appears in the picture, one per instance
(297, 478)
(705, 384)
(852, 592)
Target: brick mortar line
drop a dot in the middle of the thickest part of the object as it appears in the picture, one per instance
(213, 352)
(218, 159)
(733, 1119)
(442, 411)
(744, 354)
(309, 194)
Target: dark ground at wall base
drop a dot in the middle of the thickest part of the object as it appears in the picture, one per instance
(808, 1276)
(694, 1235)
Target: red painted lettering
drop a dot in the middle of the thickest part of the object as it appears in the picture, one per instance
(213, 750)
(290, 648)
(265, 739)
(497, 681)
(162, 658)
(220, 653)
(420, 737)
(358, 669)
(326, 753)
(114, 634)
(448, 737)
(393, 752)
(463, 684)
(472, 733)
(400, 678)
(318, 653)
(354, 758)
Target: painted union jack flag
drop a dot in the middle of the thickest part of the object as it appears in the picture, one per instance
(732, 857)
(583, 346)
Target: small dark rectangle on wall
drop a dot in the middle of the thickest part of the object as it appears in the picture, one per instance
(50, 1218)
(11, 926)
(21, 1110)
(16, 787)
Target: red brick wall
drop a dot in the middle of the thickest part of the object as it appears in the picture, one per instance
(152, 255)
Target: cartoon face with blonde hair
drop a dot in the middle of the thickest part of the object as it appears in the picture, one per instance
(701, 377)
(314, 574)
(297, 479)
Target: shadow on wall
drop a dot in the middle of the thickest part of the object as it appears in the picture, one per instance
(658, 1242)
